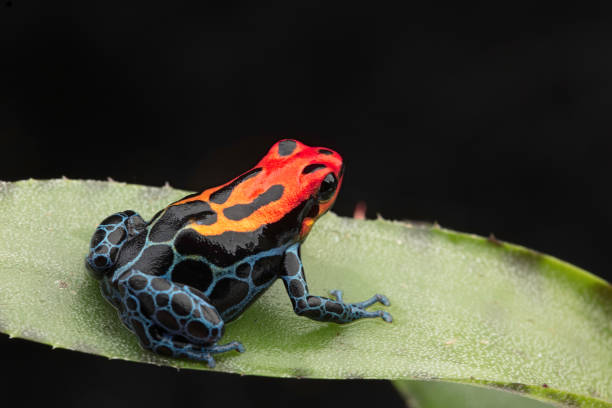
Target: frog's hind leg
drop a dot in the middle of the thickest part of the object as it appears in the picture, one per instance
(108, 238)
(176, 346)
(172, 319)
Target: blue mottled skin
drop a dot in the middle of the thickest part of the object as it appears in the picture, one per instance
(179, 341)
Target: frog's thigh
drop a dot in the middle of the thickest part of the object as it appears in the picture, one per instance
(158, 310)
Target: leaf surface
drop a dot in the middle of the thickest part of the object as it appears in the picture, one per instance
(465, 308)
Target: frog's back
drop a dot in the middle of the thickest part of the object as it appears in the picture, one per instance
(230, 269)
(153, 251)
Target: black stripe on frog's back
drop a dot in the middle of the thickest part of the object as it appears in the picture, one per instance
(229, 247)
(130, 250)
(240, 211)
(175, 217)
(221, 195)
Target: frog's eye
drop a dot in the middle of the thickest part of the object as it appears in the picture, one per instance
(328, 187)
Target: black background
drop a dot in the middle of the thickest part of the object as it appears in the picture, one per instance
(484, 118)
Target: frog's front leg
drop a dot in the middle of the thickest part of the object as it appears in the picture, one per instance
(322, 308)
(171, 319)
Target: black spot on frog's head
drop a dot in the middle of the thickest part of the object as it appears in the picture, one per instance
(311, 168)
(286, 147)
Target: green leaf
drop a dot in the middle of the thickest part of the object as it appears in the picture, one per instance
(466, 309)
(433, 394)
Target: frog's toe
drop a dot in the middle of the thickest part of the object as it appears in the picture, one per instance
(238, 346)
(374, 299)
(194, 353)
(337, 293)
(383, 299)
(386, 316)
(234, 345)
(210, 361)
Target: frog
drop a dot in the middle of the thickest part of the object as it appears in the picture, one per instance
(178, 279)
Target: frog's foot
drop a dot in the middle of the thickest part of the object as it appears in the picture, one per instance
(175, 346)
(216, 349)
(366, 303)
(234, 345)
(359, 309)
(378, 313)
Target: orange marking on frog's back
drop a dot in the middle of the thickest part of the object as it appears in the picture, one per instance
(276, 170)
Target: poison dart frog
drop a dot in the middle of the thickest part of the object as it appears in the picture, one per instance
(177, 279)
